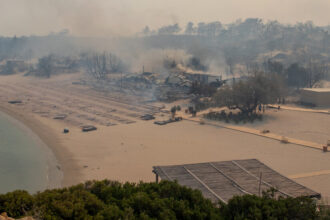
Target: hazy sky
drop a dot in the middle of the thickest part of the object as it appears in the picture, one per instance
(122, 17)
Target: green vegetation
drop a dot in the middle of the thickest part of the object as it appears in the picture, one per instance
(173, 111)
(112, 200)
(248, 94)
(52, 64)
(244, 96)
(230, 117)
(166, 200)
(46, 66)
(265, 207)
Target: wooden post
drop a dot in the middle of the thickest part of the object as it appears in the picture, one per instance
(157, 177)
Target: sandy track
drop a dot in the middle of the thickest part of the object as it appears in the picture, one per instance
(257, 133)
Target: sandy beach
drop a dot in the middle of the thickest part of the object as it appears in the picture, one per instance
(125, 148)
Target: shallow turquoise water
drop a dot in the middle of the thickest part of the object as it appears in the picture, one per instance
(23, 162)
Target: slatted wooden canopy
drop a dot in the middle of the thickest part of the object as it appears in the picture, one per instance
(222, 180)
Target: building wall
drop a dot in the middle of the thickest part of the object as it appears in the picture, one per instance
(317, 98)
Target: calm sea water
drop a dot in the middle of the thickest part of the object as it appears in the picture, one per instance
(23, 160)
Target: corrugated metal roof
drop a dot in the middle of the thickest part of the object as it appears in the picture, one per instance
(222, 180)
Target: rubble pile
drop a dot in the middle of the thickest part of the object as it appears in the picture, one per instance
(170, 87)
(165, 87)
(142, 81)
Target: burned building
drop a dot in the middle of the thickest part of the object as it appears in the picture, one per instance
(202, 77)
(13, 66)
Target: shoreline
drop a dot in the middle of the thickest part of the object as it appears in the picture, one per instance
(62, 171)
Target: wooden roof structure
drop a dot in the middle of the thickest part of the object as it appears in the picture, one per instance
(222, 180)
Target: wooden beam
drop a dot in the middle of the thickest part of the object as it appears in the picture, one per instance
(264, 182)
(206, 186)
(231, 180)
(168, 177)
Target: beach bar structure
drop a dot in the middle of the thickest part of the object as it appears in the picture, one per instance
(225, 179)
(315, 96)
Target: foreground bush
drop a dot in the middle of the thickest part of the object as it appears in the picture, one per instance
(259, 208)
(166, 200)
(112, 200)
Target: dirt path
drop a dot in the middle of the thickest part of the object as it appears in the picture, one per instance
(255, 132)
(310, 174)
(300, 109)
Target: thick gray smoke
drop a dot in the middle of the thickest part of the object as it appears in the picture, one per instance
(104, 18)
(216, 48)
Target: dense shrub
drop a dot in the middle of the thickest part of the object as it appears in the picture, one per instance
(16, 203)
(166, 200)
(259, 208)
(112, 200)
(230, 117)
(247, 94)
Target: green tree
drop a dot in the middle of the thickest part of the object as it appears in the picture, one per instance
(248, 94)
(173, 111)
(46, 66)
(17, 203)
(266, 207)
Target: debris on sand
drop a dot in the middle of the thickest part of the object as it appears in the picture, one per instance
(284, 140)
(265, 131)
(325, 148)
(87, 128)
(81, 82)
(60, 117)
(160, 122)
(147, 117)
(176, 119)
(15, 102)
(66, 130)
